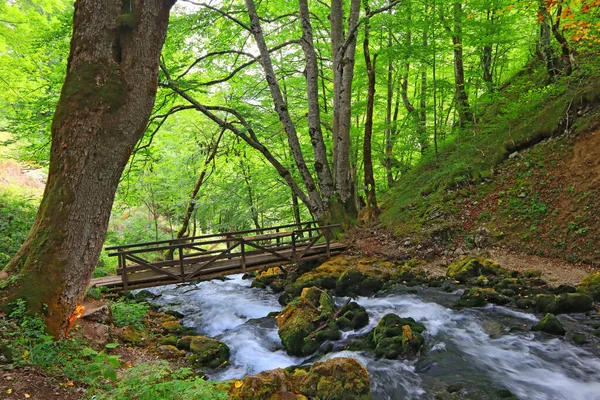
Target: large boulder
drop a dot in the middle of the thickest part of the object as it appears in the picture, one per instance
(466, 268)
(478, 297)
(571, 303)
(352, 316)
(334, 379)
(355, 283)
(590, 285)
(550, 324)
(564, 304)
(207, 352)
(299, 320)
(395, 337)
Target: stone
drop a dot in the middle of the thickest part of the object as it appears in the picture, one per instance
(550, 324)
(169, 352)
(172, 326)
(184, 343)
(168, 340)
(130, 335)
(395, 337)
(301, 317)
(262, 386)
(100, 314)
(478, 297)
(571, 303)
(207, 352)
(352, 316)
(590, 285)
(466, 268)
(96, 332)
(336, 379)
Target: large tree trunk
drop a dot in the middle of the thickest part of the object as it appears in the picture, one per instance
(102, 112)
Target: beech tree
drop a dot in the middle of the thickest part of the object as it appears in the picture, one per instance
(104, 106)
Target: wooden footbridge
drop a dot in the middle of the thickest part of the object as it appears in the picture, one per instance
(205, 257)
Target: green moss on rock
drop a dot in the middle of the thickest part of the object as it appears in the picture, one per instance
(396, 337)
(550, 324)
(207, 352)
(466, 268)
(478, 297)
(590, 285)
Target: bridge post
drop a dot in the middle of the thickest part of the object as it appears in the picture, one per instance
(123, 267)
(327, 235)
(243, 249)
(181, 268)
(294, 246)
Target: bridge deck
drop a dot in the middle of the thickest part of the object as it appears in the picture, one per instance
(200, 258)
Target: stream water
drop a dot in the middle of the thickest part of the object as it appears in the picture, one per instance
(485, 349)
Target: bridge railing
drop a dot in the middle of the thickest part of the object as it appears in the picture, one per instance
(200, 255)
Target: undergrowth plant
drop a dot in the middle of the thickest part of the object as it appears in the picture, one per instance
(128, 313)
(159, 381)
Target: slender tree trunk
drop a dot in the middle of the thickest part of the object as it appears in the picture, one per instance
(102, 112)
(388, 117)
(343, 50)
(321, 163)
(282, 110)
(296, 209)
(545, 51)
(462, 99)
(367, 152)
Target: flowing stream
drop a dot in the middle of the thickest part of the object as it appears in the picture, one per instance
(484, 349)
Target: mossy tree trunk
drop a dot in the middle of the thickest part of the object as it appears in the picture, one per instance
(105, 103)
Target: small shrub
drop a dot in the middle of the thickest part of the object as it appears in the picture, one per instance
(158, 381)
(127, 313)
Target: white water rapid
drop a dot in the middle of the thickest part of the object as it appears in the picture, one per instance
(487, 348)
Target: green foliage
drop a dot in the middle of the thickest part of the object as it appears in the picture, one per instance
(128, 313)
(159, 381)
(16, 218)
(24, 342)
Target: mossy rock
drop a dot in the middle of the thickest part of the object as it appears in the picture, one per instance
(580, 339)
(265, 385)
(265, 278)
(184, 343)
(169, 352)
(396, 337)
(336, 379)
(571, 303)
(466, 268)
(130, 335)
(300, 318)
(478, 297)
(207, 352)
(525, 304)
(169, 340)
(172, 326)
(352, 316)
(590, 285)
(355, 283)
(543, 302)
(550, 324)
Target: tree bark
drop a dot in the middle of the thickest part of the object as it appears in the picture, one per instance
(104, 106)
(321, 163)
(343, 50)
(462, 99)
(367, 151)
(282, 110)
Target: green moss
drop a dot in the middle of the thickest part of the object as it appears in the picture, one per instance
(396, 337)
(472, 267)
(550, 324)
(590, 285)
(207, 352)
(478, 297)
(336, 379)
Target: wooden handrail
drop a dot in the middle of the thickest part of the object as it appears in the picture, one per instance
(177, 241)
